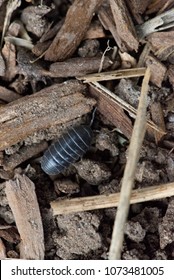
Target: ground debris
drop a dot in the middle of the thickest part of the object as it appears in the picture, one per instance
(48, 107)
(72, 32)
(166, 226)
(74, 67)
(33, 18)
(124, 24)
(80, 235)
(93, 172)
(23, 202)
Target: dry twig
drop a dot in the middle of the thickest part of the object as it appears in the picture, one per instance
(68, 206)
(113, 75)
(129, 173)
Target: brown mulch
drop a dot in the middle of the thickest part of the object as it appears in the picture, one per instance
(59, 60)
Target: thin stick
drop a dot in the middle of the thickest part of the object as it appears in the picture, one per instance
(129, 173)
(88, 203)
(113, 75)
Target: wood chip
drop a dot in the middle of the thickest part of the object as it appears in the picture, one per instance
(8, 95)
(158, 118)
(170, 74)
(2, 250)
(158, 70)
(76, 24)
(162, 44)
(23, 202)
(23, 154)
(95, 31)
(138, 8)
(9, 55)
(78, 66)
(10, 234)
(57, 104)
(124, 24)
(2, 66)
(104, 14)
(111, 111)
(159, 6)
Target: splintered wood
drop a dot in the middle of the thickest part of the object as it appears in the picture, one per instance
(53, 105)
(76, 24)
(23, 203)
(124, 24)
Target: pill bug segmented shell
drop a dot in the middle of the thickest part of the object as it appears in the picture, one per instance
(67, 149)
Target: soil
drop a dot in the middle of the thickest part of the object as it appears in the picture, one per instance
(149, 231)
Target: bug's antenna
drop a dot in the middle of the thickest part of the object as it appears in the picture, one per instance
(93, 116)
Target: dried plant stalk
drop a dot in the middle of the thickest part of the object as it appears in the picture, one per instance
(113, 75)
(73, 205)
(129, 173)
(23, 202)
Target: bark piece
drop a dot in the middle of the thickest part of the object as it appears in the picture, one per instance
(10, 234)
(2, 250)
(24, 154)
(162, 44)
(2, 66)
(8, 95)
(166, 226)
(3, 4)
(108, 23)
(137, 8)
(54, 105)
(77, 66)
(157, 69)
(158, 118)
(95, 31)
(76, 24)
(112, 112)
(23, 202)
(124, 24)
(9, 55)
(159, 6)
(33, 18)
(170, 74)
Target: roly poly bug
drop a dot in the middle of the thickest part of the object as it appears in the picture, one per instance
(67, 149)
